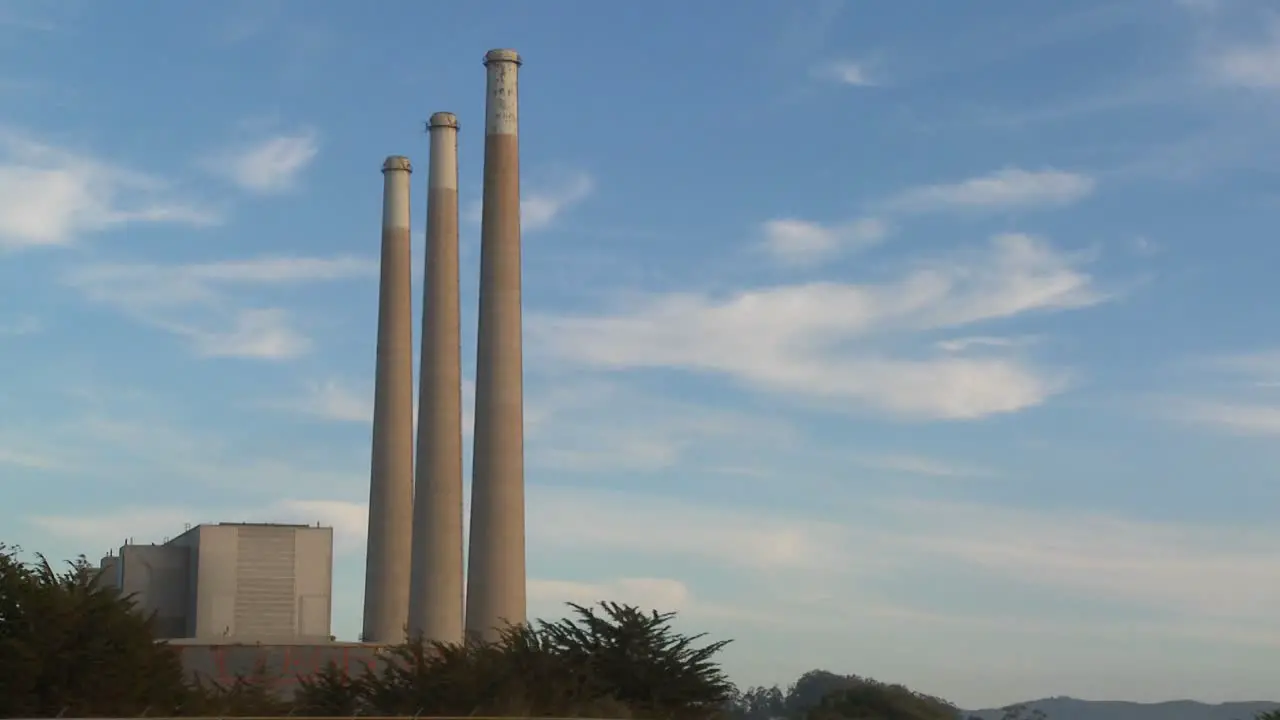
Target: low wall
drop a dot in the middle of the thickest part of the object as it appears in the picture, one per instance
(284, 663)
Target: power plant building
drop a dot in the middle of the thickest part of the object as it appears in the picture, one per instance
(233, 594)
(228, 582)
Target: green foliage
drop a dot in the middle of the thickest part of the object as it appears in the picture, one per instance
(250, 695)
(1019, 711)
(329, 693)
(70, 646)
(823, 695)
(619, 662)
(872, 700)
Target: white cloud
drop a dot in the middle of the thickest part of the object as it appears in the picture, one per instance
(1203, 6)
(1203, 573)
(562, 518)
(50, 196)
(110, 529)
(1260, 367)
(170, 296)
(1215, 581)
(1007, 189)
(541, 206)
(334, 400)
(847, 72)
(1241, 418)
(962, 344)
(1245, 407)
(268, 166)
(349, 521)
(1253, 66)
(262, 334)
(1221, 571)
(801, 243)
(26, 459)
(919, 465)
(582, 425)
(24, 325)
(814, 340)
(661, 594)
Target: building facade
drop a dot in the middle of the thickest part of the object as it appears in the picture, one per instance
(232, 582)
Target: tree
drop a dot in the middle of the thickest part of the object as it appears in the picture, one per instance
(249, 695)
(329, 693)
(619, 662)
(639, 660)
(72, 646)
(1020, 711)
(811, 688)
(759, 703)
(871, 700)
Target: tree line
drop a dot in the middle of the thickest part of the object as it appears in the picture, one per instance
(71, 646)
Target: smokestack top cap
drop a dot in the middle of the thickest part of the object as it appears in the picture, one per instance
(494, 56)
(396, 162)
(443, 119)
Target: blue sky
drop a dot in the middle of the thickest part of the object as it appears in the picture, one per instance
(930, 341)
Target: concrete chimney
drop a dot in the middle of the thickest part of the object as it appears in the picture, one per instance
(386, 580)
(496, 569)
(435, 590)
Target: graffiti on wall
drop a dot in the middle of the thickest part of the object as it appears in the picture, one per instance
(283, 664)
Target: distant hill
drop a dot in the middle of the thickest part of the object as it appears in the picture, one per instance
(1065, 708)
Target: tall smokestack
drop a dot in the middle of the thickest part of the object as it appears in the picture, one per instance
(386, 580)
(435, 590)
(496, 570)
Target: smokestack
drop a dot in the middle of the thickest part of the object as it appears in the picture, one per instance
(386, 580)
(496, 570)
(435, 590)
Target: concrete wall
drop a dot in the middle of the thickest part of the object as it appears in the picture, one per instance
(109, 571)
(313, 579)
(156, 577)
(259, 582)
(214, 593)
(284, 663)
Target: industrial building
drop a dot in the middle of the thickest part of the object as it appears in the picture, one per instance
(242, 582)
(232, 595)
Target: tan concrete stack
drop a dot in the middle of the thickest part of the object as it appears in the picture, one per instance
(496, 562)
(435, 596)
(386, 589)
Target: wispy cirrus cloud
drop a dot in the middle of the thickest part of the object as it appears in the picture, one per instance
(796, 242)
(848, 72)
(1006, 189)
(920, 465)
(1252, 65)
(51, 196)
(193, 301)
(540, 208)
(27, 459)
(19, 326)
(269, 166)
(834, 342)
(1246, 398)
(543, 204)
(333, 399)
(803, 243)
(1210, 576)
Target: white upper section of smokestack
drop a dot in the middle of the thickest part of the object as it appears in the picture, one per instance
(501, 115)
(443, 172)
(395, 199)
